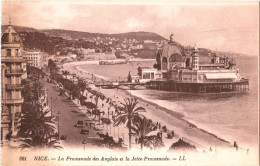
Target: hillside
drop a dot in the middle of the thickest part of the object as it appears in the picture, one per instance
(69, 34)
(79, 35)
(56, 40)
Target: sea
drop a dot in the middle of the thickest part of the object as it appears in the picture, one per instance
(233, 117)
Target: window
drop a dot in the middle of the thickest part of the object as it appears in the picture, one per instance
(146, 76)
(152, 75)
(9, 95)
(8, 52)
(16, 52)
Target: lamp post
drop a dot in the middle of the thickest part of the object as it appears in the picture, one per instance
(47, 97)
(118, 132)
(84, 143)
(114, 130)
(58, 124)
(51, 107)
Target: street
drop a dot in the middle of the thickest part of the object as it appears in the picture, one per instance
(69, 115)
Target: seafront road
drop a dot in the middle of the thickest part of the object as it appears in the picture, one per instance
(69, 115)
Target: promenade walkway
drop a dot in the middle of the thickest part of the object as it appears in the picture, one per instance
(68, 117)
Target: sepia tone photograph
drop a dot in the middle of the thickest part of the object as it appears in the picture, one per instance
(129, 83)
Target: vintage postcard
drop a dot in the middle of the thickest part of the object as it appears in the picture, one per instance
(129, 83)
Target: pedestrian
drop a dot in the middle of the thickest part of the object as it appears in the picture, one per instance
(172, 133)
(235, 144)
(159, 125)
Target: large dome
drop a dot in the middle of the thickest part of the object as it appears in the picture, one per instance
(172, 52)
(10, 36)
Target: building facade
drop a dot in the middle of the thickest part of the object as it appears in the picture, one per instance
(13, 71)
(34, 58)
(196, 73)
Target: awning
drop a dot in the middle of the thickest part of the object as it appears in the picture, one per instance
(221, 75)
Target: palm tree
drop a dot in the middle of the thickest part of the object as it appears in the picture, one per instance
(82, 85)
(142, 127)
(35, 128)
(127, 115)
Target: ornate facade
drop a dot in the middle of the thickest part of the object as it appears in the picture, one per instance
(13, 71)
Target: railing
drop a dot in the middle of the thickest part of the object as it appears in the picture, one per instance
(12, 59)
(14, 86)
(12, 101)
(15, 71)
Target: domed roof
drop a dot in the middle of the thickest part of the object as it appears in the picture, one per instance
(10, 36)
(170, 49)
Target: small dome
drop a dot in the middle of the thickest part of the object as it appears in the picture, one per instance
(10, 36)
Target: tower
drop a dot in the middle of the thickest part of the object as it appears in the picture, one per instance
(11, 76)
(195, 59)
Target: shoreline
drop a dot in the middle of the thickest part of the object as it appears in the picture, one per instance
(176, 115)
(201, 135)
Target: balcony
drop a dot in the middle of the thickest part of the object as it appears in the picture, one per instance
(14, 72)
(12, 59)
(14, 86)
(12, 101)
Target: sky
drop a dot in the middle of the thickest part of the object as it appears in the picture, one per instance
(222, 26)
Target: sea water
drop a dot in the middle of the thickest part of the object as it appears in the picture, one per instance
(233, 117)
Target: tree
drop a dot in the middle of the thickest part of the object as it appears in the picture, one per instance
(127, 115)
(52, 65)
(142, 127)
(129, 78)
(82, 85)
(36, 128)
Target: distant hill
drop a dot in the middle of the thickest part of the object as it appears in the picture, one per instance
(230, 54)
(69, 34)
(54, 40)
(79, 35)
(19, 28)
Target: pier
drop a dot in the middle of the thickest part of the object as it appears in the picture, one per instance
(111, 85)
(196, 87)
(209, 87)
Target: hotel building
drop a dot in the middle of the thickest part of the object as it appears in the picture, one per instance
(34, 58)
(13, 71)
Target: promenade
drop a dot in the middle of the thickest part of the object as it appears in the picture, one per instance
(68, 117)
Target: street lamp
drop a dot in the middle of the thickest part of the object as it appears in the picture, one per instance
(51, 107)
(58, 124)
(84, 143)
(118, 132)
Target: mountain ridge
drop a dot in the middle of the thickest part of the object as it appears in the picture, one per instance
(73, 34)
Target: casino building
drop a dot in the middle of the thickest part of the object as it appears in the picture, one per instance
(195, 73)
